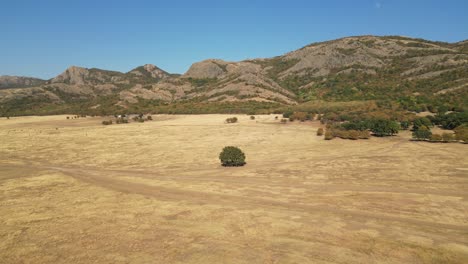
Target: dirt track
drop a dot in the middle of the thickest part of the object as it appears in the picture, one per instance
(76, 191)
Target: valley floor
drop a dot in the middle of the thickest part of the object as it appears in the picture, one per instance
(75, 191)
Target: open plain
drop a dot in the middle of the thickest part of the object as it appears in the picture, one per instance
(75, 191)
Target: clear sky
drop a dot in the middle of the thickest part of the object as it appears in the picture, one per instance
(41, 38)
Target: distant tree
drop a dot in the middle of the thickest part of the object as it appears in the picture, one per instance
(284, 120)
(252, 117)
(421, 121)
(404, 125)
(106, 123)
(232, 157)
(68, 117)
(452, 120)
(384, 127)
(288, 113)
(357, 125)
(320, 132)
(149, 118)
(422, 133)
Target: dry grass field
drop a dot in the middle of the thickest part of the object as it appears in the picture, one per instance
(75, 191)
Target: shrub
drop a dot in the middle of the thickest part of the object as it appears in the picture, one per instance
(404, 125)
(301, 116)
(68, 117)
(121, 120)
(232, 157)
(461, 133)
(252, 117)
(328, 135)
(436, 137)
(447, 137)
(344, 134)
(422, 133)
(106, 123)
(284, 120)
(276, 117)
(231, 120)
(353, 134)
(288, 113)
(149, 118)
(310, 116)
(364, 134)
(320, 132)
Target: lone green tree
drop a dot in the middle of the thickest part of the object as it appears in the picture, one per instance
(232, 157)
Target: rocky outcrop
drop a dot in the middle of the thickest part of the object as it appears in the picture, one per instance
(206, 69)
(150, 70)
(72, 75)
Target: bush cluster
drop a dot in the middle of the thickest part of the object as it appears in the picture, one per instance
(231, 120)
(349, 134)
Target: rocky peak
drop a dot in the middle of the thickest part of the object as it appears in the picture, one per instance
(155, 71)
(206, 69)
(72, 75)
(150, 70)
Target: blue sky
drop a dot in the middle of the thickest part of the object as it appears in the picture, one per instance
(42, 38)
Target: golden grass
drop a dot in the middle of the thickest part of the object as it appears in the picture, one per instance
(74, 191)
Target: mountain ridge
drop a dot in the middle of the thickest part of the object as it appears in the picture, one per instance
(350, 68)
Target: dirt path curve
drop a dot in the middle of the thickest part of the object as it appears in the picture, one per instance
(98, 178)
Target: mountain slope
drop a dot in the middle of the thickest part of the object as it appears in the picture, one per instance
(18, 82)
(393, 68)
